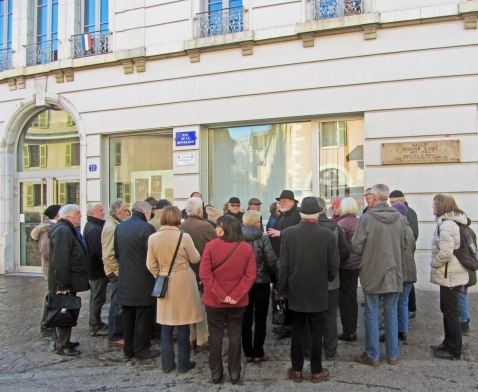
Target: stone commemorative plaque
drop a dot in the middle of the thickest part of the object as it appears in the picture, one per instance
(445, 151)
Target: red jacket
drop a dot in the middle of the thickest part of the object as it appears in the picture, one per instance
(234, 278)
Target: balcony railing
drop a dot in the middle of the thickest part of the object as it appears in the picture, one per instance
(326, 9)
(42, 52)
(5, 59)
(219, 22)
(89, 44)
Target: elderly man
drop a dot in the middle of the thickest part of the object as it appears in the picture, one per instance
(68, 252)
(118, 213)
(289, 216)
(201, 232)
(255, 205)
(96, 269)
(367, 193)
(379, 239)
(135, 282)
(234, 209)
(309, 259)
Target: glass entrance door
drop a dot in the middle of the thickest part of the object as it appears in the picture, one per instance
(34, 196)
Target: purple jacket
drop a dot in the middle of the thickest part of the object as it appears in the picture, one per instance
(348, 224)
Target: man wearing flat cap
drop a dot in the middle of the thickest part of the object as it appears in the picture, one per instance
(255, 205)
(40, 234)
(309, 260)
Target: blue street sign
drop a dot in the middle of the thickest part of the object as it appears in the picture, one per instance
(93, 167)
(186, 138)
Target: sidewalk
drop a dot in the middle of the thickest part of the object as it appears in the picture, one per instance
(27, 362)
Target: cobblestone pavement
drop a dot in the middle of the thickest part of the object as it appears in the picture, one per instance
(28, 363)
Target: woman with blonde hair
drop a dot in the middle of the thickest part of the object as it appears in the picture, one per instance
(182, 304)
(349, 272)
(447, 272)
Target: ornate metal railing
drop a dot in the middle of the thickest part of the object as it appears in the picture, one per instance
(326, 9)
(42, 52)
(219, 22)
(89, 44)
(5, 59)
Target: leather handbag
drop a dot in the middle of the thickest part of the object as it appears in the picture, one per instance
(280, 311)
(62, 310)
(161, 284)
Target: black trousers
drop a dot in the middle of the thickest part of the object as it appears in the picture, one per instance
(348, 300)
(137, 330)
(329, 328)
(412, 301)
(315, 322)
(451, 319)
(217, 320)
(255, 313)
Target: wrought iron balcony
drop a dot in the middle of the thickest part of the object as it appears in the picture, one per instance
(89, 44)
(326, 9)
(5, 59)
(42, 52)
(219, 22)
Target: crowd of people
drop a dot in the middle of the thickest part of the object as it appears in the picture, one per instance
(222, 266)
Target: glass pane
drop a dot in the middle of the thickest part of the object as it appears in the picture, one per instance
(2, 18)
(10, 6)
(235, 3)
(9, 29)
(260, 161)
(42, 21)
(104, 11)
(89, 13)
(33, 202)
(49, 142)
(135, 179)
(341, 161)
(54, 19)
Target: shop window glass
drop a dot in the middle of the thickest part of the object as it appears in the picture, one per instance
(49, 142)
(259, 161)
(141, 166)
(341, 168)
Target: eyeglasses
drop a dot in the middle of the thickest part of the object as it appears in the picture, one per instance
(367, 195)
(235, 205)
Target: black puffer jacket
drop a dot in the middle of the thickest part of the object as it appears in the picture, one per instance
(68, 267)
(92, 235)
(266, 259)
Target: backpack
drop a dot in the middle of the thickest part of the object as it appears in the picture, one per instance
(466, 253)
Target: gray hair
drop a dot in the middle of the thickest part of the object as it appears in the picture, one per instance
(381, 192)
(90, 209)
(193, 205)
(348, 205)
(68, 210)
(310, 216)
(322, 204)
(116, 206)
(142, 206)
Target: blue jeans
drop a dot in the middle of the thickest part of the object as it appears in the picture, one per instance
(463, 306)
(115, 316)
(167, 347)
(403, 307)
(372, 344)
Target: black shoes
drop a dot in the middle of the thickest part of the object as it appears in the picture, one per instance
(170, 370)
(465, 327)
(218, 380)
(152, 354)
(348, 338)
(440, 346)
(403, 336)
(192, 365)
(68, 351)
(73, 344)
(443, 354)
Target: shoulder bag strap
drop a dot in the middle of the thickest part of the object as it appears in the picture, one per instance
(229, 255)
(175, 253)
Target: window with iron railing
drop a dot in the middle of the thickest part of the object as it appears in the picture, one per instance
(222, 17)
(45, 48)
(326, 9)
(5, 34)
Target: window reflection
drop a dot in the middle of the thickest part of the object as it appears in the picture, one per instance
(141, 166)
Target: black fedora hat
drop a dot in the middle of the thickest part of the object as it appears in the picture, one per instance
(286, 194)
(310, 206)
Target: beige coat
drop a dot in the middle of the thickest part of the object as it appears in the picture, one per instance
(182, 304)
(107, 245)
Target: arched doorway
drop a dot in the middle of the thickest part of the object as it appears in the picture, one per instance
(48, 172)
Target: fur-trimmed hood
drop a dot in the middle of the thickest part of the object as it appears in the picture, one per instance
(40, 229)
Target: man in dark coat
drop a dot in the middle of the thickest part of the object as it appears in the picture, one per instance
(289, 216)
(135, 282)
(201, 233)
(68, 266)
(309, 259)
(96, 269)
(234, 209)
(330, 330)
(399, 197)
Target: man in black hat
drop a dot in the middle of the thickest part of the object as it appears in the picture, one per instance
(309, 260)
(289, 216)
(234, 209)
